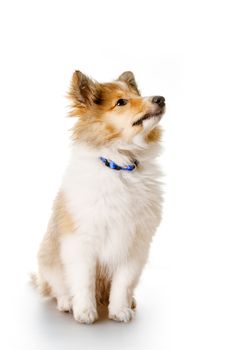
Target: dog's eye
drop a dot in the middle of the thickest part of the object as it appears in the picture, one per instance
(122, 102)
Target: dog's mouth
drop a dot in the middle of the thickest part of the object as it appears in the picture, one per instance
(146, 116)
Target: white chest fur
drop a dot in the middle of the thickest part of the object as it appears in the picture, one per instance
(114, 210)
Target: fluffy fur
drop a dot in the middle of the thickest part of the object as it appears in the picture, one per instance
(103, 220)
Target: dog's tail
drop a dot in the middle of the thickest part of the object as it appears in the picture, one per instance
(40, 284)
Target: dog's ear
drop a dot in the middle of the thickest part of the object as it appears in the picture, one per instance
(129, 79)
(82, 92)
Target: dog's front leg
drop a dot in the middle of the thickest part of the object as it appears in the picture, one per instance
(79, 261)
(124, 280)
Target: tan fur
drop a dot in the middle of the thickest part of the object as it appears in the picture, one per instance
(103, 284)
(103, 121)
(63, 219)
(42, 285)
(49, 254)
(60, 223)
(155, 135)
(95, 132)
(129, 79)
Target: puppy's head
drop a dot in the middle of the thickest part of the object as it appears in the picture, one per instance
(113, 112)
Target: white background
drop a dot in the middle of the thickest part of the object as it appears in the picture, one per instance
(179, 49)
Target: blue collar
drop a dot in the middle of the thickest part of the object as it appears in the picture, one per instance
(112, 165)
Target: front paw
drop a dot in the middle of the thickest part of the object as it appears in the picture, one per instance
(85, 313)
(124, 314)
(64, 303)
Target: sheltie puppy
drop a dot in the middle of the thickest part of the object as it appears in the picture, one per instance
(109, 204)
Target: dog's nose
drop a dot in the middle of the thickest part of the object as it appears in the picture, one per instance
(160, 100)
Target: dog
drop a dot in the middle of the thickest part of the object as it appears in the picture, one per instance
(109, 204)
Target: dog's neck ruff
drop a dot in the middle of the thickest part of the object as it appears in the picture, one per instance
(112, 165)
